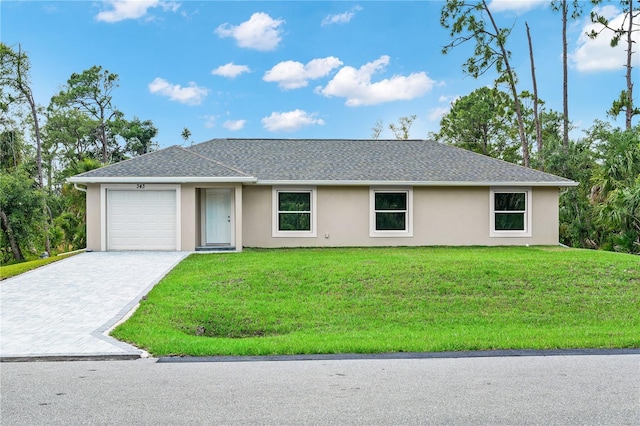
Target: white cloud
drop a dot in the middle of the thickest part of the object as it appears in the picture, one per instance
(597, 54)
(132, 9)
(190, 95)
(356, 86)
(230, 70)
(518, 6)
(170, 6)
(448, 99)
(435, 114)
(234, 124)
(341, 18)
(290, 121)
(293, 74)
(260, 32)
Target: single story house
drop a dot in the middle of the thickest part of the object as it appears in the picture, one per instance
(235, 193)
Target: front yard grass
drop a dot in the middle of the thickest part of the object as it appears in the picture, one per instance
(8, 271)
(373, 300)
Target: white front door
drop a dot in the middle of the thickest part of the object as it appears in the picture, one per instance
(217, 216)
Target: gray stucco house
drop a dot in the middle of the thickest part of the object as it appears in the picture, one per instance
(234, 193)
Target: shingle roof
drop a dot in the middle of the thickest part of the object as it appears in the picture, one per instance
(170, 162)
(315, 160)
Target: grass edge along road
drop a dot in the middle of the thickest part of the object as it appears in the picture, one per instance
(376, 300)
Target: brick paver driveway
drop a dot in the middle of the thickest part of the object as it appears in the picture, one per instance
(64, 309)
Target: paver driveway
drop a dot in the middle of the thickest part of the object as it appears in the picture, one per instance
(65, 308)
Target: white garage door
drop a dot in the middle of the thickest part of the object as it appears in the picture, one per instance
(141, 220)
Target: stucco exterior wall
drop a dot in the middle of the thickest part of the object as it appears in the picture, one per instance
(546, 226)
(441, 216)
(190, 224)
(93, 217)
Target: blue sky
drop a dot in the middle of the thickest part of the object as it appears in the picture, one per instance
(272, 69)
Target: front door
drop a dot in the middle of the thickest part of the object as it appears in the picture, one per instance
(217, 217)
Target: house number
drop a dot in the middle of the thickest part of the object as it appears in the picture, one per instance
(140, 186)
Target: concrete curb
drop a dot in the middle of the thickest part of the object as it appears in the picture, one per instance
(404, 355)
(70, 357)
(319, 357)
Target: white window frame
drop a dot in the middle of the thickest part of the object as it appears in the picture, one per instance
(408, 231)
(527, 212)
(276, 232)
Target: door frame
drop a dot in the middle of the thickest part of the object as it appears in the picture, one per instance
(203, 216)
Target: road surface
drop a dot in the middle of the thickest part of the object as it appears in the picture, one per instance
(563, 390)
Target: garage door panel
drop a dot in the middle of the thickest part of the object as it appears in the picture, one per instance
(141, 220)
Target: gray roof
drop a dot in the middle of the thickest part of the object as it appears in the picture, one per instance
(323, 161)
(174, 161)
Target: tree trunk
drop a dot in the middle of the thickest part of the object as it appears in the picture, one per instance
(630, 109)
(536, 118)
(26, 91)
(36, 126)
(485, 140)
(36, 130)
(565, 84)
(514, 91)
(103, 136)
(6, 228)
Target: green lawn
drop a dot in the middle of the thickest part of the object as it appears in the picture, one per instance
(14, 269)
(301, 301)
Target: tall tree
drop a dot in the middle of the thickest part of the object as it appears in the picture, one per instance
(616, 189)
(14, 67)
(91, 92)
(401, 130)
(377, 129)
(73, 132)
(480, 122)
(536, 118)
(21, 213)
(472, 20)
(576, 10)
(186, 134)
(138, 136)
(619, 155)
(12, 149)
(626, 29)
(576, 214)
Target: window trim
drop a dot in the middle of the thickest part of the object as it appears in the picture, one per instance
(493, 233)
(373, 232)
(275, 217)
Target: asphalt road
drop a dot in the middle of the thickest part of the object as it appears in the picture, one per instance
(563, 390)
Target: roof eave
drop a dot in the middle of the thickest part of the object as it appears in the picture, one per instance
(167, 179)
(414, 183)
(249, 179)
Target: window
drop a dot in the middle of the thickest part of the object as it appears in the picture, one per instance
(294, 212)
(511, 212)
(391, 213)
